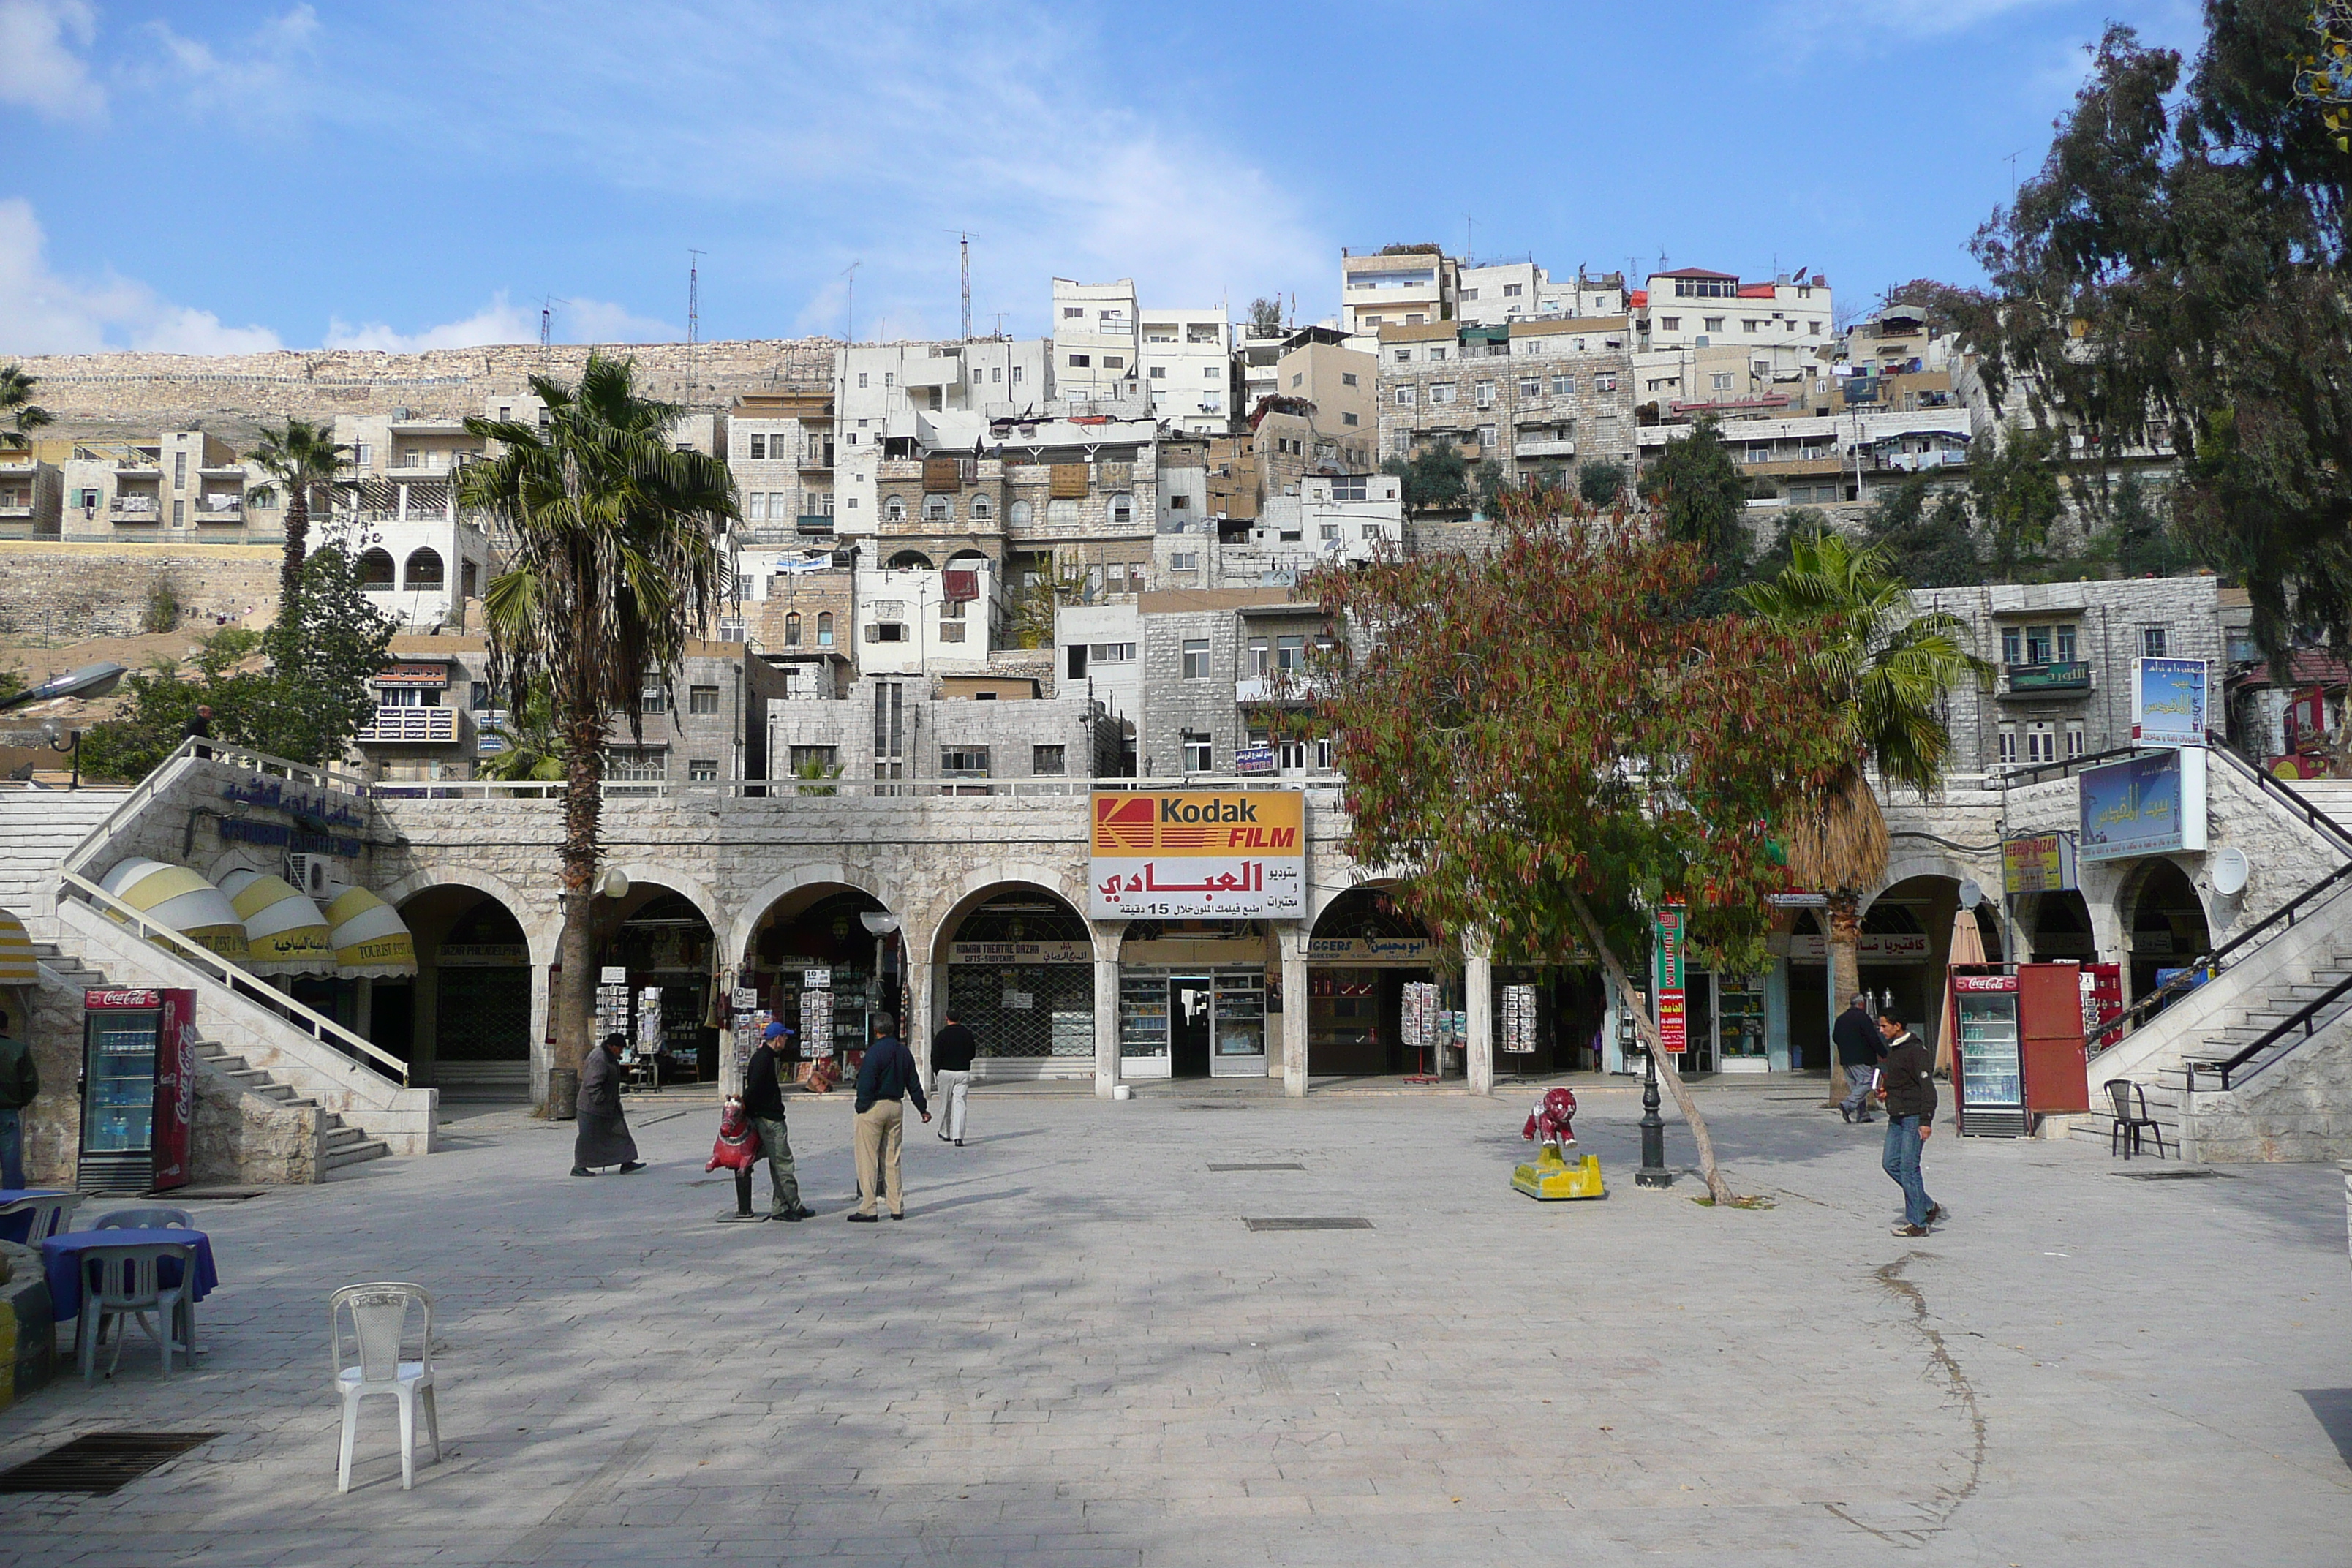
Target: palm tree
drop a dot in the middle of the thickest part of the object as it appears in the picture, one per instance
(1889, 669)
(534, 752)
(615, 563)
(17, 407)
(298, 457)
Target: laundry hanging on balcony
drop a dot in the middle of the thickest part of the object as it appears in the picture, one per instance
(177, 899)
(17, 965)
(284, 932)
(368, 936)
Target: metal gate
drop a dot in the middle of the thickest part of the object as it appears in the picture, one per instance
(1013, 1008)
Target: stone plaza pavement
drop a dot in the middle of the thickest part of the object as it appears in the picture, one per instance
(1075, 1352)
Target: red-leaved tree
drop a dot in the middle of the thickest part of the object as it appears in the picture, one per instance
(1546, 746)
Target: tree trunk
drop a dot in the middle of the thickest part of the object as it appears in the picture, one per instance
(298, 542)
(576, 1002)
(1845, 977)
(1717, 1187)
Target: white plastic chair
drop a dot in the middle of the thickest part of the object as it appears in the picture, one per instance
(48, 1215)
(125, 1281)
(379, 1314)
(149, 1216)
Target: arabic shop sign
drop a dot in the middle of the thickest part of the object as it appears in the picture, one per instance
(314, 809)
(2169, 701)
(2146, 806)
(1194, 853)
(1666, 956)
(1014, 953)
(1342, 950)
(2037, 863)
(1871, 947)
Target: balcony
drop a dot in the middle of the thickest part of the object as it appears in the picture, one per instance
(2058, 678)
(1546, 448)
(1297, 690)
(816, 525)
(220, 509)
(410, 727)
(134, 508)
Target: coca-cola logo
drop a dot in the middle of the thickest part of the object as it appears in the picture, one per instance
(122, 999)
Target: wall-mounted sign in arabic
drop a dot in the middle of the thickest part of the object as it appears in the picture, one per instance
(1192, 853)
(2169, 701)
(2146, 805)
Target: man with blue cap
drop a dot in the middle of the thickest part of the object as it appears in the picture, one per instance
(763, 1102)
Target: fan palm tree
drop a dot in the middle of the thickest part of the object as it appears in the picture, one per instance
(299, 457)
(17, 405)
(1889, 669)
(615, 563)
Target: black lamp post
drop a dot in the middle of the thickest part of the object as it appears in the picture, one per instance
(70, 741)
(1654, 1172)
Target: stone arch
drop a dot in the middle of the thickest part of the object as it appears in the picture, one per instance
(642, 873)
(811, 877)
(2165, 918)
(938, 509)
(375, 569)
(986, 885)
(910, 561)
(424, 569)
(543, 927)
(448, 1004)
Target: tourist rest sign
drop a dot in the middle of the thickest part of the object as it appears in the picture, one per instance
(1190, 854)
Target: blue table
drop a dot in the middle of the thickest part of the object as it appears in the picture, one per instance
(16, 1227)
(61, 1259)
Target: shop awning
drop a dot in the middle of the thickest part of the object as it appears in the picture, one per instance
(16, 964)
(176, 897)
(368, 936)
(284, 932)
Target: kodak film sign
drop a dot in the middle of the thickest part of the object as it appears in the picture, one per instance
(1188, 854)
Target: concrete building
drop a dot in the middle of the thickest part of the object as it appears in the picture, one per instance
(1326, 520)
(185, 487)
(1399, 285)
(1097, 345)
(969, 734)
(1537, 397)
(1208, 656)
(32, 497)
(1323, 416)
(1189, 373)
(780, 448)
(427, 571)
(911, 620)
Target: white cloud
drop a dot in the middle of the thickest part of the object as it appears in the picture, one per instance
(264, 76)
(503, 321)
(41, 312)
(39, 68)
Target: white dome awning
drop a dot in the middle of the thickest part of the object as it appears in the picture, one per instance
(284, 932)
(368, 936)
(177, 898)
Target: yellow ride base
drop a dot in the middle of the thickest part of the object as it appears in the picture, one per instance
(1551, 1177)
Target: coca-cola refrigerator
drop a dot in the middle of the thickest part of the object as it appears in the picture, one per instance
(138, 1089)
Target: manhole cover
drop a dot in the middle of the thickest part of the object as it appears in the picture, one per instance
(1286, 1223)
(1279, 1166)
(101, 1463)
(2196, 1175)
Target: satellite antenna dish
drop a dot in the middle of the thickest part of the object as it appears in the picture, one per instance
(2230, 870)
(1972, 895)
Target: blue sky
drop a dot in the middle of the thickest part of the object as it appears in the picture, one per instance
(215, 177)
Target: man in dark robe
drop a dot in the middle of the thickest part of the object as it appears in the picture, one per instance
(604, 1138)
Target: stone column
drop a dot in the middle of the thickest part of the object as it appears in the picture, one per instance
(1478, 1003)
(923, 1020)
(1294, 1010)
(1105, 1016)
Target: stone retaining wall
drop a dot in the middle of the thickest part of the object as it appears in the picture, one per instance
(53, 589)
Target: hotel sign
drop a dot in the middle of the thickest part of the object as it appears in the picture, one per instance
(1189, 854)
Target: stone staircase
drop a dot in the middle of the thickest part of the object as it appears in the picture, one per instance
(339, 1144)
(41, 827)
(2332, 797)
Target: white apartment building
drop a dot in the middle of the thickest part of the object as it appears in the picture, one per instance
(1400, 286)
(1098, 653)
(895, 400)
(1327, 519)
(1188, 369)
(1096, 342)
(914, 620)
(1694, 308)
(186, 487)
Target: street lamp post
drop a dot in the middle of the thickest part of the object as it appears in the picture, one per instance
(881, 923)
(1654, 1172)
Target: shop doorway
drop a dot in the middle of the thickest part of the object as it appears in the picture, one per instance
(1193, 998)
(816, 939)
(663, 946)
(467, 1013)
(2166, 923)
(1192, 1002)
(1019, 968)
(2062, 928)
(1361, 955)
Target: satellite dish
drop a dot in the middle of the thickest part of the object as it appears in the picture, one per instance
(2229, 871)
(1972, 895)
(89, 680)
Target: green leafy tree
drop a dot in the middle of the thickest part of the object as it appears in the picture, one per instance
(2017, 495)
(16, 406)
(1599, 482)
(1265, 317)
(616, 566)
(1926, 534)
(301, 460)
(2177, 268)
(1438, 480)
(1698, 497)
(1487, 485)
(1547, 760)
(1885, 669)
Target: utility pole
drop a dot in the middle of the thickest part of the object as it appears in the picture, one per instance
(849, 307)
(964, 242)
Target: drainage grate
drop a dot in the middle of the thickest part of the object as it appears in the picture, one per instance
(101, 1464)
(2195, 1175)
(1280, 1165)
(1288, 1224)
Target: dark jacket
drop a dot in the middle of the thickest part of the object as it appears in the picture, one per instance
(1859, 1043)
(889, 1073)
(20, 1081)
(1908, 1076)
(763, 1090)
(953, 1049)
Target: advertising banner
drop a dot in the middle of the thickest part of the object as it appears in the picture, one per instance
(2169, 701)
(1871, 947)
(2146, 805)
(1190, 854)
(2037, 863)
(1674, 1025)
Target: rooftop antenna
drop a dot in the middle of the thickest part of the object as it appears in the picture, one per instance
(546, 325)
(2012, 161)
(849, 307)
(1468, 250)
(693, 311)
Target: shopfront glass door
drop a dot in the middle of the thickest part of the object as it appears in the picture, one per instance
(1191, 999)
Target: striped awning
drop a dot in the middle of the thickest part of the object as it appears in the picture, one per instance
(177, 898)
(284, 932)
(370, 937)
(16, 964)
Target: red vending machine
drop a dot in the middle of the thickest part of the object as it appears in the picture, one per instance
(138, 1091)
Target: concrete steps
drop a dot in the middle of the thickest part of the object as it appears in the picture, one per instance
(37, 829)
(2332, 797)
(341, 1143)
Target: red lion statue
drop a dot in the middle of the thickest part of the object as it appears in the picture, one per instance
(1552, 1119)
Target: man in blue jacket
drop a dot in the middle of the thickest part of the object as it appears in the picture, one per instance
(887, 1079)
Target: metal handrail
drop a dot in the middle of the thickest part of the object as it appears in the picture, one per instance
(221, 972)
(2034, 771)
(2302, 1017)
(844, 786)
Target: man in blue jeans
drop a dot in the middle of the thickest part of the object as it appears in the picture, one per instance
(1906, 1083)
(20, 1082)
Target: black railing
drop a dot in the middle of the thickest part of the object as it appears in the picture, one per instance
(2034, 771)
(2313, 817)
(2206, 966)
(2305, 1018)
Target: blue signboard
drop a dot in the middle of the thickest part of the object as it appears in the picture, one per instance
(2169, 701)
(2146, 806)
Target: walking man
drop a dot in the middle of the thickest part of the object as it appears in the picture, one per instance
(20, 1082)
(763, 1102)
(1859, 1046)
(953, 1049)
(888, 1077)
(603, 1137)
(1908, 1084)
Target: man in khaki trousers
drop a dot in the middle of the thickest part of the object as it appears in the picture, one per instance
(887, 1078)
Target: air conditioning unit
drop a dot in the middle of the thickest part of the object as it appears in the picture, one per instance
(308, 873)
